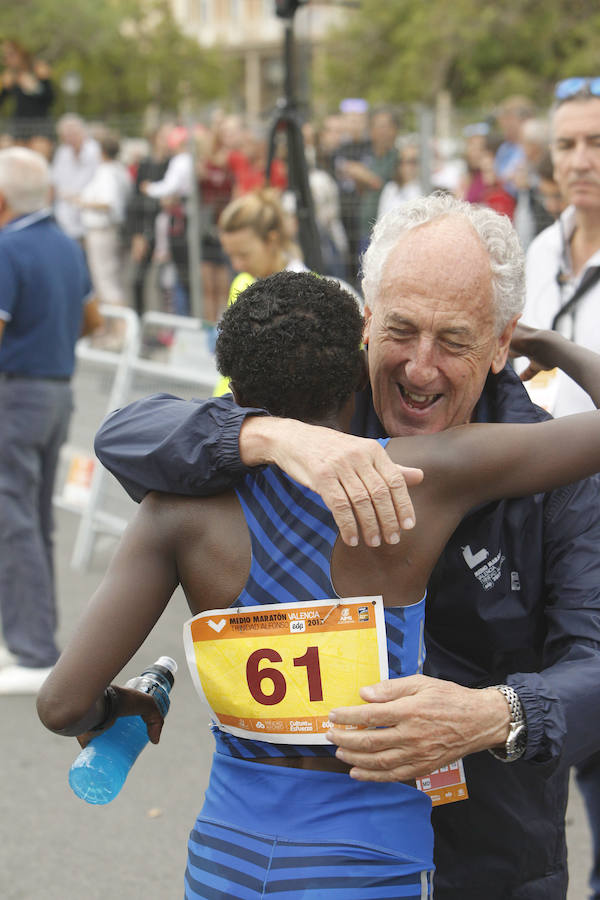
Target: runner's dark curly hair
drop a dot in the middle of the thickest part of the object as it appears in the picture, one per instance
(291, 344)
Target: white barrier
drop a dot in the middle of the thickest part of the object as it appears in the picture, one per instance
(183, 364)
(99, 383)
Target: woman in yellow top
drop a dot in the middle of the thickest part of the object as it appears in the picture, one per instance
(257, 235)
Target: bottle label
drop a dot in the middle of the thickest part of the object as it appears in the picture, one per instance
(149, 686)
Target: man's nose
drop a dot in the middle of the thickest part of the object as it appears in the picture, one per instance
(421, 367)
(581, 156)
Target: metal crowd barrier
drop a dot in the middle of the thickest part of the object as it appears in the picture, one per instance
(159, 353)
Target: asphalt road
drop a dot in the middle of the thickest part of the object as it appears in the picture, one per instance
(53, 846)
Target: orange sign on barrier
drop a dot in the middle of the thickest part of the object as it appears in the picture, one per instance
(78, 482)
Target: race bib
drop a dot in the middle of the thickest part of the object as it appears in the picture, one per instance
(273, 672)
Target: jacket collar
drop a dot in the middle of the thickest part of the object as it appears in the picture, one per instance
(505, 399)
(27, 220)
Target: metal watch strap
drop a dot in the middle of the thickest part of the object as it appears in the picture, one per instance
(516, 741)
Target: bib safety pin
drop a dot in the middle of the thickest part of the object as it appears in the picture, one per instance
(335, 606)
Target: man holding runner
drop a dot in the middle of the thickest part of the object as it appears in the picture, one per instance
(509, 602)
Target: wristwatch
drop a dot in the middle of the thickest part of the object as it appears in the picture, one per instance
(516, 741)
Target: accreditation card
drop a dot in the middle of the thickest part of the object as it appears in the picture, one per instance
(446, 785)
(273, 672)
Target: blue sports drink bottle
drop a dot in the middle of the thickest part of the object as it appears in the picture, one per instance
(100, 770)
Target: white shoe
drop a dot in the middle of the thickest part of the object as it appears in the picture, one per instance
(22, 679)
(6, 657)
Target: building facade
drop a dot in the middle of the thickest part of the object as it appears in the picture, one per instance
(250, 31)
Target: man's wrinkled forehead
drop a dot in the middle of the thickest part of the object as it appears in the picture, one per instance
(434, 256)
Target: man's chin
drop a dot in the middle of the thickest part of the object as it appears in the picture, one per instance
(585, 198)
(404, 425)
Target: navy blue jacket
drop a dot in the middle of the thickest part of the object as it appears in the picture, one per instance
(515, 598)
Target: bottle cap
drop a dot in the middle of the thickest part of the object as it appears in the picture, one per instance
(166, 666)
(168, 663)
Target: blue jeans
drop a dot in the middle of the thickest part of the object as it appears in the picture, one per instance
(35, 416)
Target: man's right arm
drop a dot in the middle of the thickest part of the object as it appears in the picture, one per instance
(163, 443)
(196, 448)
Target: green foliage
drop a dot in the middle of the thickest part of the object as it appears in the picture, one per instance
(407, 51)
(129, 54)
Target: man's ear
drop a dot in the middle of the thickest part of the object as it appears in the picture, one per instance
(503, 346)
(367, 326)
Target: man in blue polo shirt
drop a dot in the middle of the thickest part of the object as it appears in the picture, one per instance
(46, 303)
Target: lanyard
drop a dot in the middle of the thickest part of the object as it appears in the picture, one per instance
(591, 276)
(589, 279)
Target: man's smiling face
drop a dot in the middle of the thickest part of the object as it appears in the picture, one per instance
(431, 329)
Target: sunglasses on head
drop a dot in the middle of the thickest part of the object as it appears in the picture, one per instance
(572, 87)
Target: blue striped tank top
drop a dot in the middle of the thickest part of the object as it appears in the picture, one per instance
(292, 536)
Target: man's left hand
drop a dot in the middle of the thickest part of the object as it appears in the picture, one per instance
(415, 725)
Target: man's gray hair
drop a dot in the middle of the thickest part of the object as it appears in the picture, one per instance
(24, 179)
(495, 231)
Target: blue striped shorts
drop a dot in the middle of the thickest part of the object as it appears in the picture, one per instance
(298, 834)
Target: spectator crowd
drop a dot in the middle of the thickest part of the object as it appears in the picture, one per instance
(129, 200)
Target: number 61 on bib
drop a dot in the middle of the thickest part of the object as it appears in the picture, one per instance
(273, 672)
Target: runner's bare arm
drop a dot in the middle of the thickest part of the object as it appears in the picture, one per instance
(547, 349)
(122, 612)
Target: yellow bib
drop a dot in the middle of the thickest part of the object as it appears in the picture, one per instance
(273, 672)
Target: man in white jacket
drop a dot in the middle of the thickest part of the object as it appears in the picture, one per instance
(563, 292)
(563, 262)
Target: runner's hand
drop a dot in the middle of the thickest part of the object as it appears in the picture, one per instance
(132, 703)
(365, 491)
(537, 345)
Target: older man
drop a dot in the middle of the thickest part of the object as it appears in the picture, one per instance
(563, 292)
(45, 303)
(509, 603)
(76, 159)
